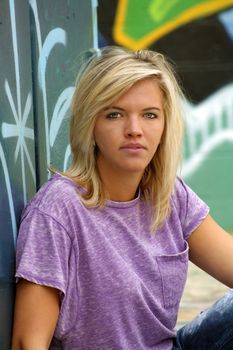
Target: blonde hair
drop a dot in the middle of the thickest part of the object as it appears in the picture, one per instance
(104, 78)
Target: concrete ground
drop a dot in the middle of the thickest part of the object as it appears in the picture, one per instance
(200, 292)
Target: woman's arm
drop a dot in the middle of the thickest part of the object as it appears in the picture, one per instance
(211, 248)
(36, 313)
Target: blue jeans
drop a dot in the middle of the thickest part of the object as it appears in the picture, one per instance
(211, 330)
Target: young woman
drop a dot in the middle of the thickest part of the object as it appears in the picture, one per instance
(103, 249)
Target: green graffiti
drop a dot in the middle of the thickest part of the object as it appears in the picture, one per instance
(160, 10)
(140, 22)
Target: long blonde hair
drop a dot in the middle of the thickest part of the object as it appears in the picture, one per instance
(103, 79)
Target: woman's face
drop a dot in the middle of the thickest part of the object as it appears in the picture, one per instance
(128, 132)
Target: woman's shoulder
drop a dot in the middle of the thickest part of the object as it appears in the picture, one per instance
(57, 195)
(182, 192)
(190, 208)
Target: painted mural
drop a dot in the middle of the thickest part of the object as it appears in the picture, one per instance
(43, 47)
(197, 36)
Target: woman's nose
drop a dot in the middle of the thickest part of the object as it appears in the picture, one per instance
(133, 126)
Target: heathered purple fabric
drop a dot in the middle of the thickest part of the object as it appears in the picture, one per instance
(120, 286)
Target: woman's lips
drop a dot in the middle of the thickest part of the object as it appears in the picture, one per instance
(133, 147)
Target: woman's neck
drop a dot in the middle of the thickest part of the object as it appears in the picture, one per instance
(120, 187)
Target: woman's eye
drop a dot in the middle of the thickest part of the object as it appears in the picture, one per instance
(150, 115)
(113, 115)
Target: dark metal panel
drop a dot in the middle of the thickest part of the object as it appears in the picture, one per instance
(41, 43)
(59, 35)
(17, 166)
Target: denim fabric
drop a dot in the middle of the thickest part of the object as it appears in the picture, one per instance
(211, 330)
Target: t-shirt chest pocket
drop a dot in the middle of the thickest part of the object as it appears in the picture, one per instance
(173, 272)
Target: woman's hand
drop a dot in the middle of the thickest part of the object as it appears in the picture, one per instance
(36, 313)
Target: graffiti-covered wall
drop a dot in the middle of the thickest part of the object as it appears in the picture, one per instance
(41, 45)
(197, 35)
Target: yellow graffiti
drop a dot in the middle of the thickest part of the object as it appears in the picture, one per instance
(190, 14)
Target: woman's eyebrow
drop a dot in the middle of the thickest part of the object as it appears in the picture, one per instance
(114, 107)
(122, 109)
(150, 108)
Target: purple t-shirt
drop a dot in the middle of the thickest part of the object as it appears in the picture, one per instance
(120, 286)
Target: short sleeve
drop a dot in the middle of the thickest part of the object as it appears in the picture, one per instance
(42, 252)
(192, 209)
